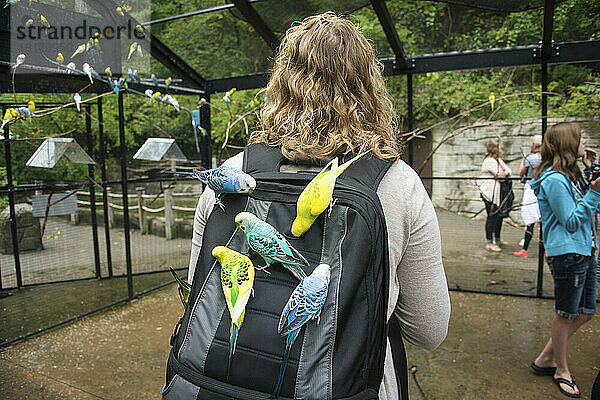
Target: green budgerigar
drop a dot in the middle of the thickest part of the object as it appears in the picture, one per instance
(317, 195)
(237, 279)
(272, 246)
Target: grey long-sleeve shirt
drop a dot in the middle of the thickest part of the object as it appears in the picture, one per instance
(418, 294)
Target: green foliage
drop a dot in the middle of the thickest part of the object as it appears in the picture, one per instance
(445, 27)
(239, 114)
(216, 44)
(220, 44)
(4, 182)
(582, 100)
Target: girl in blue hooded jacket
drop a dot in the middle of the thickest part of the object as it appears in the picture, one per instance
(567, 206)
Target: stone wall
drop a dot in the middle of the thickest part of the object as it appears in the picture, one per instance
(462, 156)
(28, 229)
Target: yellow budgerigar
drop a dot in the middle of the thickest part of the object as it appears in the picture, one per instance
(317, 195)
(132, 49)
(60, 59)
(237, 279)
(9, 115)
(44, 22)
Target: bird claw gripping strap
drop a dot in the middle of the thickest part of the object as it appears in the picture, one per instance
(341, 357)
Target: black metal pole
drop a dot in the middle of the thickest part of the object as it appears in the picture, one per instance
(1, 290)
(205, 142)
(123, 148)
(88, 129)
(102, 150)
(11, 202)
(540, 275)
(409, 95)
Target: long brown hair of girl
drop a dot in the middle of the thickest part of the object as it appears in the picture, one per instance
(560, 150)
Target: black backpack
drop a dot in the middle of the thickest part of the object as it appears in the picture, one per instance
(342, 356)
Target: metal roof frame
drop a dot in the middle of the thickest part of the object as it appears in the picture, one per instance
(402, 62)
(546, 52)
(153, 45)
(259, 25)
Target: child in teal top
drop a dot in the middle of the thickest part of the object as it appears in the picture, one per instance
(567, 207)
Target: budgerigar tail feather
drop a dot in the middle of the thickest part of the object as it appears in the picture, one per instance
(296, 270)
(196, 174)
(184, 288)
(183, 173)
(286, 355)
(233, 335)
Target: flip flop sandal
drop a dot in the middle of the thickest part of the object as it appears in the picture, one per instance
(543, 371)
(570, 383)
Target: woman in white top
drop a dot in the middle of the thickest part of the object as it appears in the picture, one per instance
(530, 212)
(493, 167)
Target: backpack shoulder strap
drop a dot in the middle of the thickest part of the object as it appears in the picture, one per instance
(398, 356)
(260, 158)
(367, 171)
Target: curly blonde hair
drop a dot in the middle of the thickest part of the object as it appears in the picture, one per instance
(326, 95)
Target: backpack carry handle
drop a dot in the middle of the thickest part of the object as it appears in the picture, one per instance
(368, 171)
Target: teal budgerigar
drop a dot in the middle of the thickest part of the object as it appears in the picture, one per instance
(304, 304)
(272, 246)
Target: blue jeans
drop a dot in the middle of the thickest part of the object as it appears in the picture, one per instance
(575, 284)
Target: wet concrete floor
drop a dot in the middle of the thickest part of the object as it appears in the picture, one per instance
(121, 353)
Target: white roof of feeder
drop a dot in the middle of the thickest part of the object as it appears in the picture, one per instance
(52, 149)
(157, 149)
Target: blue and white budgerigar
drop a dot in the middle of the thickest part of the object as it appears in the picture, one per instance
(115, 85)
(20, 60)
(272, 246)
(28, 111)
(77, 99)
(237, 279)
(224, 180)
(304, 304)
(133, 75)
(71, 67)
(88, 71)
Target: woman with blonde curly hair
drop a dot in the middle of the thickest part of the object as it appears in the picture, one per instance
(327, 97)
